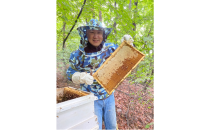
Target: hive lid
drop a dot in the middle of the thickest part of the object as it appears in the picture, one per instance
(115, 69)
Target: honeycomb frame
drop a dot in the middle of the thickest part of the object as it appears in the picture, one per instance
(111, 80)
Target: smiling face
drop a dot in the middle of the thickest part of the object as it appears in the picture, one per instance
(95, 37)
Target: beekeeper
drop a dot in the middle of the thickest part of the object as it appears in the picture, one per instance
(92, 53)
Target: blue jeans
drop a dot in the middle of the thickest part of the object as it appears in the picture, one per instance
(105, 109)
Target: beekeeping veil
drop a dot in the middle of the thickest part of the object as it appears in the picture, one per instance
(93, 24)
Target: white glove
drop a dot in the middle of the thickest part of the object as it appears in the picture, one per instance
(127, 38)
(81, 78)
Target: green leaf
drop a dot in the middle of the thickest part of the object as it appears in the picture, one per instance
(147, 126)
(147, 39)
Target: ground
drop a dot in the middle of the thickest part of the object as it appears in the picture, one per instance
(134, 103)
(134, 106)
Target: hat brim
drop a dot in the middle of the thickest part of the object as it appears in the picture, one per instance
(85, 28)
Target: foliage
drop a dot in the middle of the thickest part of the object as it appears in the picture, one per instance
(124, 16)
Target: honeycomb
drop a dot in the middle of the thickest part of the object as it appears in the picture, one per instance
(117, 66)
(67, 93)
(117, 61)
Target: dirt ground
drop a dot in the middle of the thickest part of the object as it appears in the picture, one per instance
(134, 106)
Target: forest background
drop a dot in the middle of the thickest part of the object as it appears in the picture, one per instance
(133, 17)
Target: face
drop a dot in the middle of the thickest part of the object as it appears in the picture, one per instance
(95, 37)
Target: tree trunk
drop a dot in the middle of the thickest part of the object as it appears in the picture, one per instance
(93, 10)
(135, 12)
(74, 23)
(100, 17)
(64, 46)
(93, 16)
(115, 24)
(134, 24)
(130, 5)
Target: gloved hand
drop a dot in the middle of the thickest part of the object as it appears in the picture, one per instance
(81, 78)
(127, 38)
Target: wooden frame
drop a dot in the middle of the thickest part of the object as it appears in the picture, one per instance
(123, 73)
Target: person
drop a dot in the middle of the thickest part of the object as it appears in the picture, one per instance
(92, 53)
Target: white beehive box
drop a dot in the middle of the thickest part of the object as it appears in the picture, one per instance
(77, 113)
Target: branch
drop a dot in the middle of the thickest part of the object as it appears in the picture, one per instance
(75, 22)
